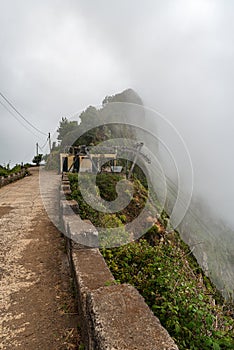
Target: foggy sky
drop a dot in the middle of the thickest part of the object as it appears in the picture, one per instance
(58, 57)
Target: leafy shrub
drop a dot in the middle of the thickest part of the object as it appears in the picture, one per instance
(176, 293)
(3, 171)
(15, 169)
(165, 272)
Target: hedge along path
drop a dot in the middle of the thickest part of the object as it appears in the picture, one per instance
(36, 303)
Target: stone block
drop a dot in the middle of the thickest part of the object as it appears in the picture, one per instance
(120, 320)
(82, 232)
(69, 207)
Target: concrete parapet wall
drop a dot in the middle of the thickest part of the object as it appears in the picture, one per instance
(120, 319)
(113, 317)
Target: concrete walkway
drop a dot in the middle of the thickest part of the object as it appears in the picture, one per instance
(36, 306)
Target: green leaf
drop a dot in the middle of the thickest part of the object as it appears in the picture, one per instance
(216, 346)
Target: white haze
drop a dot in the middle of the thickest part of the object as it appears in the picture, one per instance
(179, 56)
(57, 57)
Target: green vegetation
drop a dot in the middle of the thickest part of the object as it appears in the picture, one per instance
(176, 290)
(163, 269)
(160, 265)
(93, 127)
(5, 170)
(106, 189)
(65, 127)
(215, 251)
(37, 159)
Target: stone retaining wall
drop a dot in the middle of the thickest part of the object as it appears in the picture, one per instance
(11, 178)
(113, 317)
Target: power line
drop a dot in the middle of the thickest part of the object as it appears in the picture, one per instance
(44, 144)
(25, 126)
(40, 149)
(21, 115)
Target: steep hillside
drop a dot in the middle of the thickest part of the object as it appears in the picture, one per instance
(162, 267)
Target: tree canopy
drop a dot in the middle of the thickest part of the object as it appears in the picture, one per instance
(37, 159)
(87, 129)
(65, 126)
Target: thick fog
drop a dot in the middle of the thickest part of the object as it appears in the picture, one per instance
(59, 57)
(179, 55)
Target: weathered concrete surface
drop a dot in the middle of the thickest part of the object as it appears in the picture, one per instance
(79, 231)
(115, 317)
(69, 207)
(90, 273)
(33, 272)
(120, 319)
(91, 269)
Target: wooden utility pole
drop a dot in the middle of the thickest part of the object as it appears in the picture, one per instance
(37, 148)
(49, 141)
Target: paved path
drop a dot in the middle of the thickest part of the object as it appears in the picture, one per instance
(36, 306)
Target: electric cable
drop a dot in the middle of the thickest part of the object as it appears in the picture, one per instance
(25, 126)
(45, 143)
(40, 148)
(21, 115)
